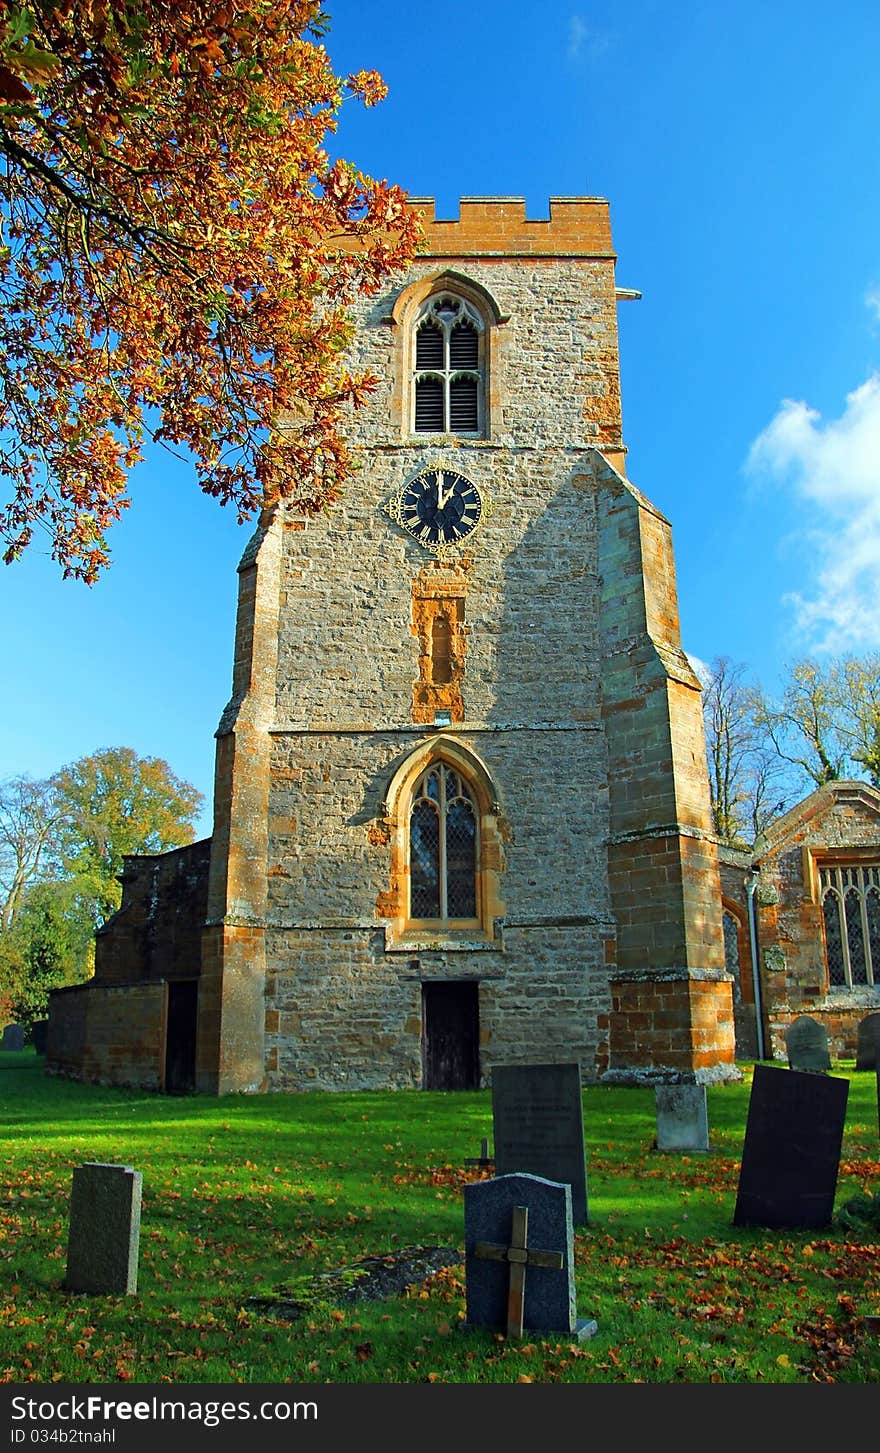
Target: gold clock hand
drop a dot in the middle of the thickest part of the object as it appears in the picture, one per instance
(441, 497)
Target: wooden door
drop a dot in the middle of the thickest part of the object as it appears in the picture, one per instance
(451, 1030)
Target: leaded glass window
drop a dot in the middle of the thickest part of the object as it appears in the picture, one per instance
(449, 382)
(731, 950)
(443, 846)
(851, 912)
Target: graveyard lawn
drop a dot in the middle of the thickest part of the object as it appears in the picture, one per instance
(246, 1195)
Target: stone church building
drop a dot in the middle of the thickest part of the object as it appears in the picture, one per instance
(461, 809)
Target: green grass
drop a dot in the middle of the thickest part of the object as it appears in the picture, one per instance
(242, 1194)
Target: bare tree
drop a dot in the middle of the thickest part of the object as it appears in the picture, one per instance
(748, 783)
(29, 815)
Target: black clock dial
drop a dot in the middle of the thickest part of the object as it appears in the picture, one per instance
(440, 507)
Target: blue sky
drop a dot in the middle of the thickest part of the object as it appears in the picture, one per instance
(738, 147)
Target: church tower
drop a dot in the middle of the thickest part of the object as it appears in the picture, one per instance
(461, 803)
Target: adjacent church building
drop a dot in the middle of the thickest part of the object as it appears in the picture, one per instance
(461, 811)
(801, 919)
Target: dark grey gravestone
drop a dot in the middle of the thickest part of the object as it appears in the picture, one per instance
(806, 1043)
(682, 1120)
(39, 1035)
(13, 1037)
(538, 1122)
(104, 1234)
(499, 1273)
(868, 1042)
(791, 1153)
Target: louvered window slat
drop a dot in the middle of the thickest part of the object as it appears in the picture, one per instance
(463, 405)
(429, 346)
(429, 406)
(463, 347)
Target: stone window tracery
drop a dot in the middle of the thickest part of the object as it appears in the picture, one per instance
(850, 895)
(443, 829)
(449, 393)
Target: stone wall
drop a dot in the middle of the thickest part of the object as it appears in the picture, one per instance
(111, 1034)
(156, 932)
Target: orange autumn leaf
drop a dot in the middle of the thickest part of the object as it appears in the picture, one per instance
(179, 260)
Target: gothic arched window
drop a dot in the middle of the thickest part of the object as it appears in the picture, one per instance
(449, 376)
(443, 846)
(851, 915)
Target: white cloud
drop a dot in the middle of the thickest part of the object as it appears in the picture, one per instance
(578, 31)
(832, 470)
(872, 301)
(701, 669)
(584, 41)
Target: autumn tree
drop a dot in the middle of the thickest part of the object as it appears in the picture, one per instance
(855, 689)
(177, 245)
(113, 803)
(803, 723)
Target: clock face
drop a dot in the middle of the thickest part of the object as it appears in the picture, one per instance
(440, 508)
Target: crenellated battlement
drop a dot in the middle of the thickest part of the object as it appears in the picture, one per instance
(576, 227)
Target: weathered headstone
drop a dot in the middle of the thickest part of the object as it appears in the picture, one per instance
(682, 1119)
(519, 1257)
(868, 1042)
(104, 1234)
(13, 1037)
(39, 1035)
(806, 1043)
(791, 1153)
(538, 1120)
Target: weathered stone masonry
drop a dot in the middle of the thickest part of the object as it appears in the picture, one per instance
(551, 638)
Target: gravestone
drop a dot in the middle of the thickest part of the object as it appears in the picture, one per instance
(791, 1153)
(868, 1042)
(519, 1257)
(39, 1035)
(104, 1234)
(682, 1121)
(806, 1043)
(538, 1121)
(13, 1037)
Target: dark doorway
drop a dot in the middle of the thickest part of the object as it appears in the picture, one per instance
(451, 1019)
(180, 1037)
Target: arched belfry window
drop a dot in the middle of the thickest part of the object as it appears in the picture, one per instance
(449, 376)
(443, 846)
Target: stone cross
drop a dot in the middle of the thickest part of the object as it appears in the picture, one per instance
(484, 1160)
(519, 1255)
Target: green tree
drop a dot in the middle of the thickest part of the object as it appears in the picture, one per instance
(50, 944)
(113, 803)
